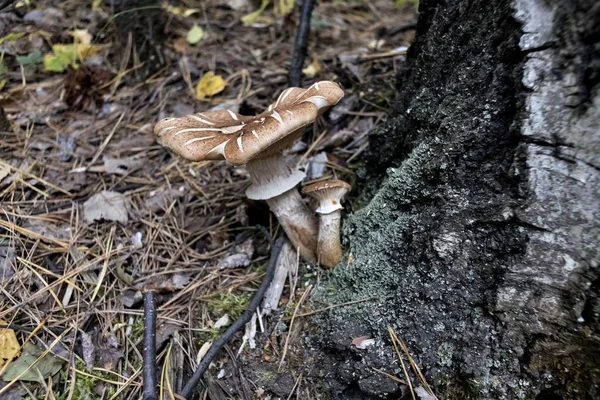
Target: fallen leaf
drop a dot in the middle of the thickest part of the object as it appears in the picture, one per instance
(47, 366)
(313, 68)
(106, 205)
(284, 7)
(31, 58)
(241, 258)
(195, 34)
(131, 297)
(234, 261)
(162, 283)
(11, 36)
(121, 166)
(96, 5)
(49, 229)
(209, 85)
(82, 36)
(64, 55)
(15, 392)
(108, 350)
(9, 345)
(222, 322)
(164, 332)
(161, 199)
(251, 18)
(180, 45)
(185, 12)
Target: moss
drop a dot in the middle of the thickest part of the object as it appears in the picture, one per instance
(86, 386)
(230, 303)
(137, 330)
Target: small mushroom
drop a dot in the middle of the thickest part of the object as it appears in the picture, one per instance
(258, 142)
(329, 194)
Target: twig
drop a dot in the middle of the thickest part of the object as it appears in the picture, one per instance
(149, 346)
(189, 388)
(394, 338)
(301, 44)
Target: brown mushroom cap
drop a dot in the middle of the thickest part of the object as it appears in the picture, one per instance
(329, 193)
(223, 134)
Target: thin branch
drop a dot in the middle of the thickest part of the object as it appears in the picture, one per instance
(301, 44)
(189, 388)
(149, 346)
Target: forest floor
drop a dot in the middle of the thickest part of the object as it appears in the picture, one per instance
(93, 211)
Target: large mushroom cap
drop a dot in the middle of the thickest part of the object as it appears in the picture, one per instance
(328, 193)
(223, 134)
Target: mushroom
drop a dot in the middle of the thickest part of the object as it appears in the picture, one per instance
(329, 194)
(258, 142)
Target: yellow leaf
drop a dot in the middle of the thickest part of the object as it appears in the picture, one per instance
(186, 12)
(195, 34)
(284, 7)
(313, 68)
(9, 345)
(82, 36)
(2, 84)
(250, 19)
(209, 85)
(96, 5)
(64, 55)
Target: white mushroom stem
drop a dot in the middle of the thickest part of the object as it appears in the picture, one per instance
(329, 247)
(297, 221)
(274, 181)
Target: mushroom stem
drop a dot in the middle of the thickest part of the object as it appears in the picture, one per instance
(329, 248)
(274, 181)
(297, 221)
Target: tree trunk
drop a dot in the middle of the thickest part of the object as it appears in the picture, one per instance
(478, 232)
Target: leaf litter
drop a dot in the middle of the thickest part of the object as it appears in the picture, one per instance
(93, 206)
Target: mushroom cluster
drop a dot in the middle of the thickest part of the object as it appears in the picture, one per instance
(258, 143)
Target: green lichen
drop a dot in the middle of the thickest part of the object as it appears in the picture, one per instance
(370, 231)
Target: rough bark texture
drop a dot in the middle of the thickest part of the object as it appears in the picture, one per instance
(479, 238)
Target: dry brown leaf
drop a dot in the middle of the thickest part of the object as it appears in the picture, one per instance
(106, 205)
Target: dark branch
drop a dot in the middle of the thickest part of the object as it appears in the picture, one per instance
(301, 44)
(189, 388)
(149, 346)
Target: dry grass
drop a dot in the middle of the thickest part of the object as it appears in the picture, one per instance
(69, 277)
